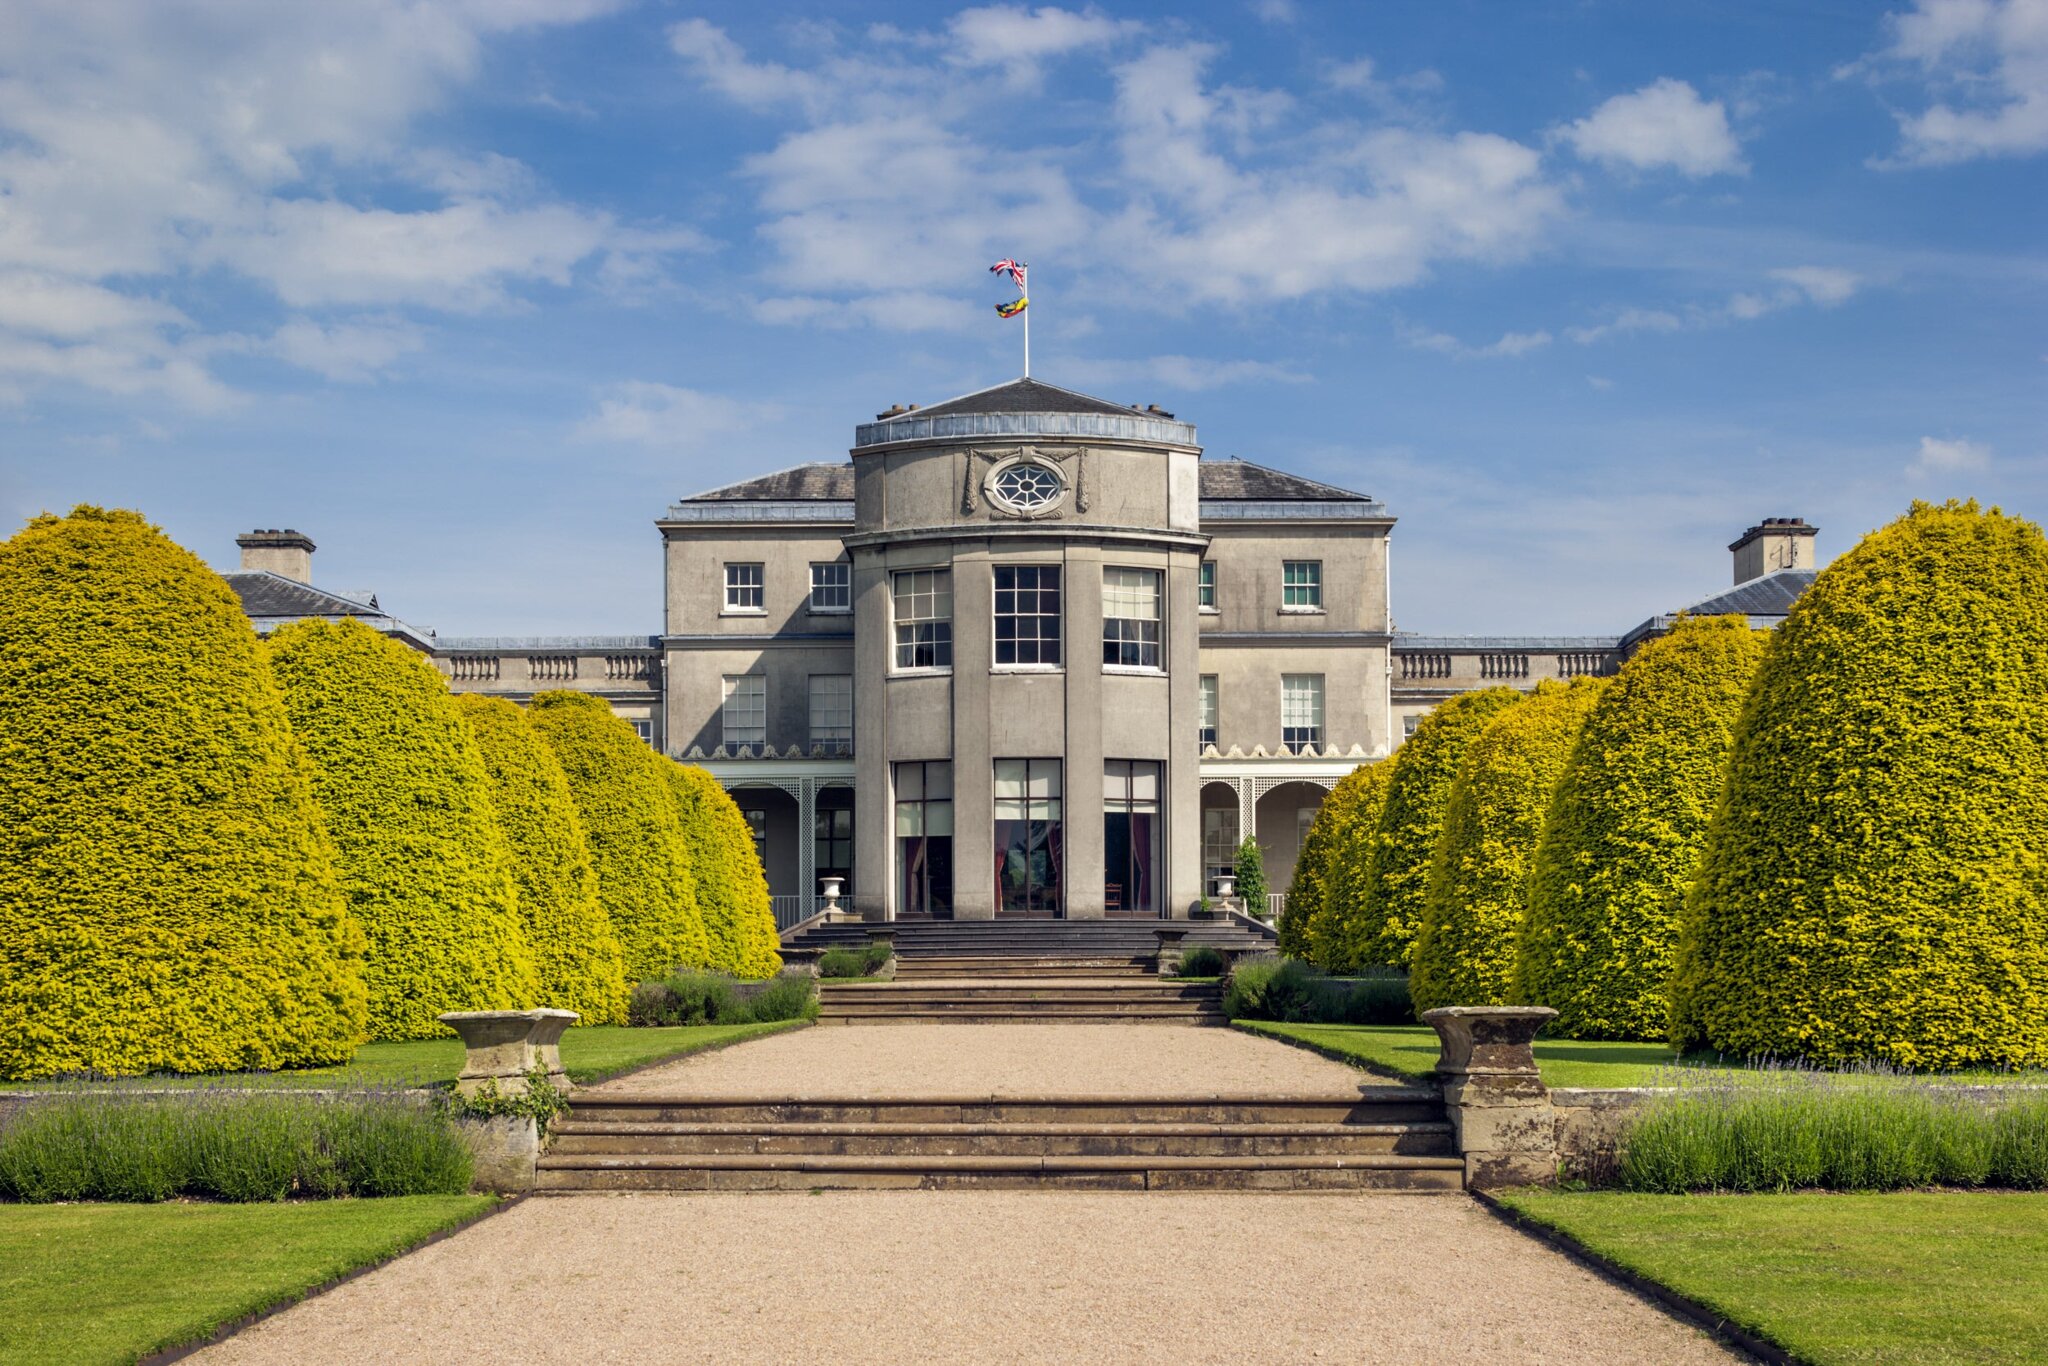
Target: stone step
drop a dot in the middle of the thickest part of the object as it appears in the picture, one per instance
(1372, 1105)
(789, 1171)
(584, 1138)
(1023, 989)
(983, 966)
(1133, 1018)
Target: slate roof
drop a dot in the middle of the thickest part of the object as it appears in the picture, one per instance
(265, 594)
(1769, 596)
(1219, 480)
(1025, 396)
(270, 600)
(1234, 479)
(816, 482)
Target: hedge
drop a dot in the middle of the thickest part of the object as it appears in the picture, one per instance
(1320, 908)
(1395, 886)
(732, 891)
(1479, 876)
(576, 957)
(168, 898)
(426, 868)
(1873, 884)
(1623, 839)
(636, 837)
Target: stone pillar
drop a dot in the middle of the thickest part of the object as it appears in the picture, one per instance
(1170, 935)
(505, 1046)
(806, 795)
(1499, 1109)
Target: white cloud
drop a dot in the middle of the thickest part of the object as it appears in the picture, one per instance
(345, 352)
(1188, 373)
(1627, 321)
(1986, 65)
(143, 144)
(1223, 194)
(1510, 343)
(667, 417)
(1940, 455)
(1599, 383)
(1664, 124)
(1824, 285)
(1276, 11)
(1018, 39)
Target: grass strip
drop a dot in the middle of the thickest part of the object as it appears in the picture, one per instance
(113, 1283)
(1409, 1052)
(1922, 1276)
(591, 1053)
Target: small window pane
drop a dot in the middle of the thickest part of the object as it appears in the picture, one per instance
(1027, 603)
(1205, 585)
(744, 716)
(832, 712)
(832, 587)
(1205, 717)
(924, 618)
(938, 780)
(743, 588)
(1301, 583)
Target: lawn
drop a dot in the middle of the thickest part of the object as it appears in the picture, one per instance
(1409, 1052)
(1912, 1276)
(101, 1283)
(591, 1053)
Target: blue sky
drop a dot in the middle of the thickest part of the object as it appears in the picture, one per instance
(469, 291)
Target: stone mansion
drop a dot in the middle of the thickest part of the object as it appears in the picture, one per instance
(1024, 653)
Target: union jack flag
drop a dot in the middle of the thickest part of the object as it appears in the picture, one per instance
(1014, 269)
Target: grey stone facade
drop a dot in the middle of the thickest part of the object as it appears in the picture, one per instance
(1038, 620)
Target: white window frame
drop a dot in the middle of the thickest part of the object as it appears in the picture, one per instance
(1057, 641)
(1205, 588)
(908, 590)
(1301, 585)
(746, 589)
(832, 713)
(1301, 710)
(1124, 589)
(744, 710)
(838, 584)
(1208, 711)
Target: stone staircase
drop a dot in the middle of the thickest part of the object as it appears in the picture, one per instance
(1025, 999)
(1126, 944)
(1385, 1138)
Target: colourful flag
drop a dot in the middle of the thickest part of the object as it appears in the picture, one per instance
(1013, 308)
(1012, 268)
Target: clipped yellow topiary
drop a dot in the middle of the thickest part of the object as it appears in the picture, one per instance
(732, 891)
(167, 894)
(423, 861)
(1395, 888)
(1623, 840)
(1875, 880)
(1479, 876)
(577, 958)
(1350, 821)
(635, 834)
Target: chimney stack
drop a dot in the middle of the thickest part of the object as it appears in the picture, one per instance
(287, 553)
(1774, 543)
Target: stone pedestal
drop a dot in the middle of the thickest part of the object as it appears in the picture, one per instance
(1498, 1106)
(884, 934)
(506, 1150)
(505, 1046)
(1170, 935)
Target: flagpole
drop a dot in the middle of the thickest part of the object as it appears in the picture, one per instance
(1027, 343)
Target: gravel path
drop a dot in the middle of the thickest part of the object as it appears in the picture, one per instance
(971, 1276)
(1003, 1059)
